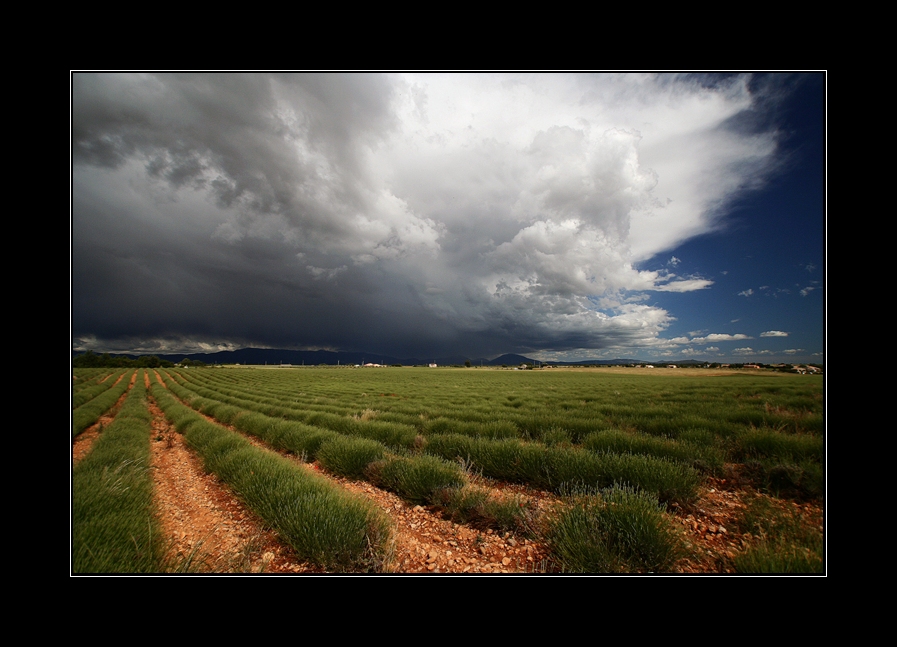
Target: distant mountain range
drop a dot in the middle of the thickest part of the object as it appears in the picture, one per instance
(262, 356)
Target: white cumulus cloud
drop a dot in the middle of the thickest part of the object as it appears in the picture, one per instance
(717, 337)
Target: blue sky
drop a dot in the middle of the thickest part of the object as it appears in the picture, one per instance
(561, 216)
(767, 262)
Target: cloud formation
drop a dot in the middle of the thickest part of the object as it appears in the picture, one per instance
(403, 214)
(718, 337)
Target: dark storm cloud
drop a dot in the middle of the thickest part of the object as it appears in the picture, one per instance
(260, 144)
(409, 215)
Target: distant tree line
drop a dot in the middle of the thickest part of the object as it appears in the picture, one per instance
(93, 360)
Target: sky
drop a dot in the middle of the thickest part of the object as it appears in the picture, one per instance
(562, 216)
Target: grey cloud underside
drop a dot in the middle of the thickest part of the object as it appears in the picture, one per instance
(371, 212)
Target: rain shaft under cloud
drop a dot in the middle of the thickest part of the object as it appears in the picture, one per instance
(401, 214)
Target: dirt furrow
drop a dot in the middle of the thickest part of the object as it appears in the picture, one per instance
(427, 543)
(209, 529)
